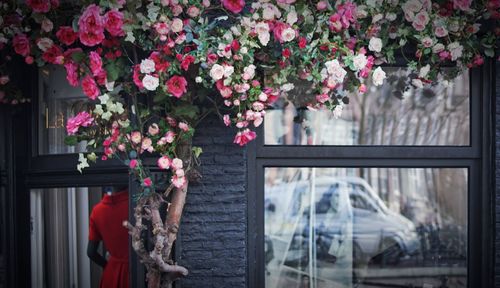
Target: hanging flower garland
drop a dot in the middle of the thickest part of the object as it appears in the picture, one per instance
(150, 69)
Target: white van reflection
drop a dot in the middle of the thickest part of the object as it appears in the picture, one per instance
(350, 221)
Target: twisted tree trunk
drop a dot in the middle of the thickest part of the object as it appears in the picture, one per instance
(161, 269)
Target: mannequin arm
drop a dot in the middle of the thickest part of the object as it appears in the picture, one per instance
(92, 247)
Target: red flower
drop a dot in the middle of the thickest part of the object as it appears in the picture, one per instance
(39, 6)
(234, 6)
(90, 87)
(161, 64)
(187, 61)
(286, 53)
(114, 22)
(53, 55)
(302, 42)
(147, 182)
(21, 45)
(235, 45)
(66, 35)
(136, 77)
(177, 86)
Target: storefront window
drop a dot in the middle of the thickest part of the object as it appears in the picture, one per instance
(384, 115)
(57, 102)
(345, 227)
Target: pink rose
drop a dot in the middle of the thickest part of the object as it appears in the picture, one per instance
(91, 26)
(147, 182)
(21, 45)
(321, 5)
(177, 164)
(82, 119)
(178, 181)
(177, 86)
(421, 20)
(164, 162)
(136, 137)
(53, 55)
(95, 63)
(322, 98)
(71, 73)
(132, 164)
(114, 22)
(4, 80)
(66, 35)
(235, 6)
(183, 126)
(278, 29)
(440, 32)
(193, 11)
(169, 137)
(227, 120)
(39, 6)
(245, 136)
(153, 129)
(90, 87)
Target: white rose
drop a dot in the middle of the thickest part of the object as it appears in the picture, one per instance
(249, 72)
(147, 66)
(378, 76)
(288, 34)
(438, 48)
(375, 44)
(412, 6)
(264, 38)
(377, 18)
(150, 82)
(44, 43)
(391, 16)
(261, 27)
(456, 50)
(359, 61)
(335, 70)
(47, 25)
(217, 72)
(176, 25)
(228, 71)
(291, 18)
(287, 87)
(244, 50)
(424, 71)
(268, 13)
(198, 79)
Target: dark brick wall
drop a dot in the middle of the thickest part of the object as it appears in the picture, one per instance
(213, 228)
(497, 179)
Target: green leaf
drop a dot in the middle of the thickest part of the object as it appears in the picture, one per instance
(113, 71)
(70, 140)
(78, 56)
(489, 52)
(197, 151)
(186, 111)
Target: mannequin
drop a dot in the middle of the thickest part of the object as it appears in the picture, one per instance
(106, 222)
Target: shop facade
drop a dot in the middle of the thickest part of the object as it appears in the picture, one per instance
(394, 192)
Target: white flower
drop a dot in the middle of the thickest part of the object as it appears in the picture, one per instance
(106, 115)
(335, 70)
(116, 107)
(44, 43)
(424, 71)
(359, 61)
(264, 38)
(288, 34)
(217, 72)
(417, 83)
(261, 27)
(147, 66)
(268, 13)
(291, 18)
(98, 109)
(176, 25)
(249, 72)
(244, 50)
(456, 50)
(177, 163)
(375, 44)
(198, 79)
(150, 82)
(378, 76)
(104, 99)
(287, 87)
(391, 16)
(377, 18)
(438, 48)
(82, 162)
(47, 25)
(337, 112)
(228, 71)
(412, 6)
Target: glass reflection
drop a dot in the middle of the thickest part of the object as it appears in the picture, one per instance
(384, 115)
(366, 227)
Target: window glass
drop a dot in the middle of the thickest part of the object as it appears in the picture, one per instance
(57, 102)
(384, 115)
(334, 227)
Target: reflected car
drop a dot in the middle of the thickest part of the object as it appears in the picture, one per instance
(350, 221)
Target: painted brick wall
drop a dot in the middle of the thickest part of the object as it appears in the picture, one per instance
(213, 228)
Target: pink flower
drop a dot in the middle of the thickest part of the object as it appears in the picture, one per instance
(153, 129)
(322, 98)
(39, 6)
(321, 5)
(176, 164)
(245, 136)
(227, 120)
(147, 182)
(66, 35)
(91, 26)
(4, 80)
(421, 20)
(235, 6)
(53, 55)
(132, 164)
(188, 60)
(177, 86)
(147, 145)
(164, 162)
(178, 181)
(136, 77)
(72, 73)
(95, 63)
(136, 137)
(169, 137)
(183, 126)
(278, 29)
(463, 5)
(440, 32)
(21, 45)
(90, 87)
(82, 119)
(114, 22)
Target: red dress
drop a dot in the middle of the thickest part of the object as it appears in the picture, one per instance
(106, 224)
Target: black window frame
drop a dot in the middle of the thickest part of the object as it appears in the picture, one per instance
(477, 157)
